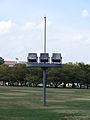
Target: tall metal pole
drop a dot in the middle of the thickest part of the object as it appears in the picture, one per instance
(45, 34)
(44, 87)
(44, 69)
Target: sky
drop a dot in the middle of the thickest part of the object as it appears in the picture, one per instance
(68, 29)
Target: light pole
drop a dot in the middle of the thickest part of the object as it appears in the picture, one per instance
(44, 86)
(45, 34)
(44, 69)
(44, 62)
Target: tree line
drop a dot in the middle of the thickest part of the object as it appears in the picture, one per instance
(71, 75)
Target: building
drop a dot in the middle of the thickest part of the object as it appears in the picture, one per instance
(10, 63)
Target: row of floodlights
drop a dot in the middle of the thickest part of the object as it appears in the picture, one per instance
(44, 58)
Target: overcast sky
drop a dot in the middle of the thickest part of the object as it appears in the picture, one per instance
(68, 28)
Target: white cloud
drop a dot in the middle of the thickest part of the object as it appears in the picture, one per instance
(77, 37)
(19, 41)
(29, 26)
(32, 25)
(85, 13)
(9, 26)
(81, 38)
(6, 26)
(40, 26)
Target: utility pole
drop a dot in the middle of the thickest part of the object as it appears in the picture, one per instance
(45, 34)
(44, 69)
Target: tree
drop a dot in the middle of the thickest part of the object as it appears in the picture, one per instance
(1, 60)
(86, 69)
(53, 77)
(19, 73)
(77, 75)
(4, 74)
(34, 76)
(87, 80)
(66, 73)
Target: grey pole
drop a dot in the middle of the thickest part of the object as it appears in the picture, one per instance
(44, 69)
(45, 34)
(44, 86)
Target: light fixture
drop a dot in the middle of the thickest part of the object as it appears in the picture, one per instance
(32, 57)
(56, 58)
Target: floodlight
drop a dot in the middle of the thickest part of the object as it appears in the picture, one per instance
(32, 57)
(44, 62)
(44, 57)
(56, 57)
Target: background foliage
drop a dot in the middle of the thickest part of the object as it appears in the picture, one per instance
(75, 75)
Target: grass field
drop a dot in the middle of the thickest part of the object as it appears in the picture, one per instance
(20, 103)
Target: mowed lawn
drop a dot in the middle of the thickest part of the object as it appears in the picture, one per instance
(24, 103)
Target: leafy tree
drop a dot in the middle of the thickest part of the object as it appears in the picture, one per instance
(86, 69)
(34, 76)
(66, 73)
(19, 73)
(53, 77)
(1, 60)
(71, 73)
(4, 74)
(87, 80)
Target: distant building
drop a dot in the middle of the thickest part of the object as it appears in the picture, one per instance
(10, 63)
(21, 62)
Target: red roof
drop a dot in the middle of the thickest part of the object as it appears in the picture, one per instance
(9, 62)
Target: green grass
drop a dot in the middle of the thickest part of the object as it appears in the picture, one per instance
(21, 103)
